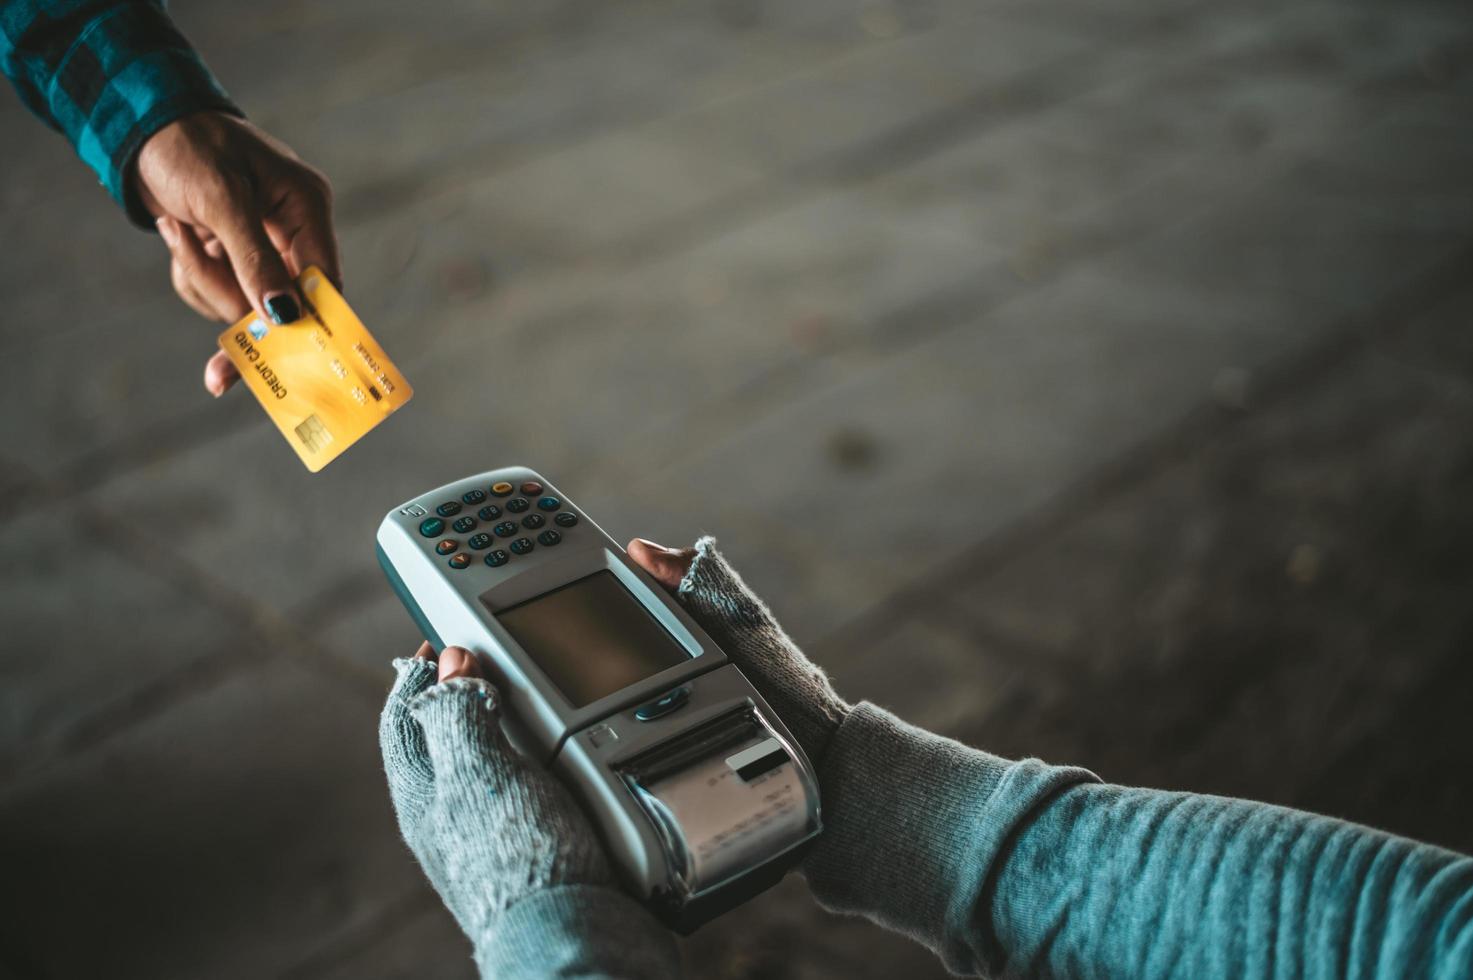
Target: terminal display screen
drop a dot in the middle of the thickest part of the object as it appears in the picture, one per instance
(592, 638)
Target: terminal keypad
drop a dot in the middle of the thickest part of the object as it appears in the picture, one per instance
(536, 508)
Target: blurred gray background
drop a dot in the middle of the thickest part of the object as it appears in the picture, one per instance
(1089, 380)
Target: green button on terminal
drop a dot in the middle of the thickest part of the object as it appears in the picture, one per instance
(662, 706)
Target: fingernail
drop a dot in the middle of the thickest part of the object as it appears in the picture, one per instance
(656, 547)
(167, 231)
(282, 308)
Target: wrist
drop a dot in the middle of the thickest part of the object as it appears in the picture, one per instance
(128, 73)
(581, 930)
(175, 146)
(913, 821)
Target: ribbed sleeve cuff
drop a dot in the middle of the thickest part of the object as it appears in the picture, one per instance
(577, 931)
(915, 826)
(130, 74)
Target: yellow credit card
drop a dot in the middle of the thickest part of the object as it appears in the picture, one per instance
(324, 380)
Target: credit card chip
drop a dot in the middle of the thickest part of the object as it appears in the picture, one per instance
(313, 433)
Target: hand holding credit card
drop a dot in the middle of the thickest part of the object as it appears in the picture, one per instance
(323, 380)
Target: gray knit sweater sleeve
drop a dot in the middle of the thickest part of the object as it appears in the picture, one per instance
(1022, 869)
(915, 827)
(1017, 868)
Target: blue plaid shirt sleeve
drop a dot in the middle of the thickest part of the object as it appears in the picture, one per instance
(108, 74)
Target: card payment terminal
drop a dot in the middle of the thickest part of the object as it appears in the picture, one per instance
(699, 792)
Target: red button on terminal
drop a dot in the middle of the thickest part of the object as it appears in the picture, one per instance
(447, 546)
(531, 488)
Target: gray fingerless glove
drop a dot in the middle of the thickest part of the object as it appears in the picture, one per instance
(503, 843)
(795, 687)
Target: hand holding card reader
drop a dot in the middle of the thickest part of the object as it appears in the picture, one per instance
(700, 794)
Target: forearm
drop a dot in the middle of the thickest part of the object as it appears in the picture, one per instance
(107, 74)
(1031, 870)
(915, 825)
(1132, 882)
(581, 932)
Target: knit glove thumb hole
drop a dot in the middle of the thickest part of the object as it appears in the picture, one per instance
(797, 688)
(460, 719)
(401, 740)
(487, 789)
(721, 602)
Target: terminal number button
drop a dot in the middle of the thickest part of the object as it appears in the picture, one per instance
(505, 529)
(497, 558)
(473, 497)
(464, 524)
(479, 542)
(489, 513)
(517, 505)
(521, 546)
(549, 537)
(533, 521)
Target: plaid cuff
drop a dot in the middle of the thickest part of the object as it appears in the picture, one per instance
(129, 74)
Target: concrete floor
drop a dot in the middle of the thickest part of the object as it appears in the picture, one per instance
(1085, 381)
